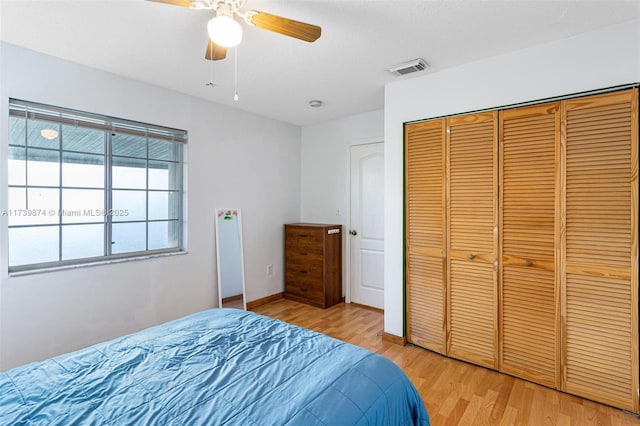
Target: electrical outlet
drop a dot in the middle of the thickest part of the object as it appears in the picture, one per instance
(270, 269)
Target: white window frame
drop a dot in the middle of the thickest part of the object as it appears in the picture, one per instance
(111, 127)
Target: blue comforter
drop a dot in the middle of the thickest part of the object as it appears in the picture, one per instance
(221, 366)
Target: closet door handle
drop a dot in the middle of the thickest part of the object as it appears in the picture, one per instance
(528, 263)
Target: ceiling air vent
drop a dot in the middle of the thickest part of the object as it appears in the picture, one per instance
(409, 67)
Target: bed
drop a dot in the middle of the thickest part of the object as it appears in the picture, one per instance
(221, 366)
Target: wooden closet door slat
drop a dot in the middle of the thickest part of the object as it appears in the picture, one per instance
(528, 198)
(472, 146)
(600, 318)
(425, 234)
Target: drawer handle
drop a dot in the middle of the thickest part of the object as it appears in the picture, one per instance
(304, 236)
(303, 254)
(528, 263)
(303, 272)
(304, 290)
(471, 256)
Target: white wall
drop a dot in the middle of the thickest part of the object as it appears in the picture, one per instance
(234, 159)
(607, 57)
(325, 169)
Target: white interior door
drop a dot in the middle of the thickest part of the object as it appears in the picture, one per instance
(367, 225)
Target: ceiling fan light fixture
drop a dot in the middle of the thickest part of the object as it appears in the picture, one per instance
(224, 31)
(49, 133)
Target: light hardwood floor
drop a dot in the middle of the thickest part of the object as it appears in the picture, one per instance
(235, 303)
(454, 392)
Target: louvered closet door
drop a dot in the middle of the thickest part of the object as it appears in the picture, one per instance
(601, 288)
(472, 146)
(529, 316)
(425, 233)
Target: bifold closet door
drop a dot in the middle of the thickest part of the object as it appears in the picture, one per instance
(600, 286)
(528, 196)
(472, 215)
(425, 234)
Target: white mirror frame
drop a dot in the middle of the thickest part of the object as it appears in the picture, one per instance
(219, 215)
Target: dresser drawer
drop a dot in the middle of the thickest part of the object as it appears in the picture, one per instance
(304, 271)
(301, 257)
(302, 290)
(305, 233)
(304, 237)
(303, 248)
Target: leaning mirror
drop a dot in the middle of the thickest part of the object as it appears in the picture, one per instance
(229, 255)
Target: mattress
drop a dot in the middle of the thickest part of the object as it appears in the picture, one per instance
(221, 366)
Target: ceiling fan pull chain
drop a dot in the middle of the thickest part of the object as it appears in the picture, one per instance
(235, 58)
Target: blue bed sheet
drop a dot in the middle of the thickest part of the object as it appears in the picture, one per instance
(221, 366)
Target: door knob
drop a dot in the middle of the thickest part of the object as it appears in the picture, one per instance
(353, 232)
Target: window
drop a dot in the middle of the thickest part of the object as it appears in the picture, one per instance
(85, 188)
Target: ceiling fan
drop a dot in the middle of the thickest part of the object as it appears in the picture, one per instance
(224, 31)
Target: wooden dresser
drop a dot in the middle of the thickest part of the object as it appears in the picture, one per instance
(313, 263)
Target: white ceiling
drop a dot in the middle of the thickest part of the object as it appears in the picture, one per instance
(277, 76)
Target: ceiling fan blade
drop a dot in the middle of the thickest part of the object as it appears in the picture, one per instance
(215, 52)
(183, 3)
(285, 26)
